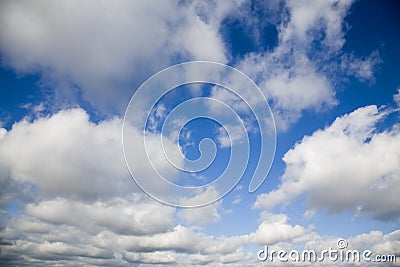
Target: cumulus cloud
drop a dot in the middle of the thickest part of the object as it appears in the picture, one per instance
(66, 155)
(298, 73)
(274, 228)
(59, 157)
(27, 239)
(202, 215)
(131, 215)
(31, 240)
(349, 165)
(79, 205)
(106, 49)
(72, 225)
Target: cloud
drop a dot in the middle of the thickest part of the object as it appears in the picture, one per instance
(118, 226)
(236, 135)
(396, 98)
(66, 155)
(349, 165)
(103, 50)
(387, 243)
(274, 228)
(116, 52)
(180, 239)
(66, 196)
(361, 68)
(38, 242)
(202, 215)
(303, 70)
(326, 16)
(131, 215)
(78, 205)
(59, 157)
(28, 239)
(237, 200)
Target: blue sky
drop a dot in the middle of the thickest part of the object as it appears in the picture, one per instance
(328, 70)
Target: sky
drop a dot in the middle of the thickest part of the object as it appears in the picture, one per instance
(102, 112)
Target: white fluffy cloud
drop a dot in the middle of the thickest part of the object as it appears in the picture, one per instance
(307, 16)
(131, 215)
(346, 166)
(274, 228)
(297, 74)
(107, 48)
(60, 155)
(81, 206)
(66, 155)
